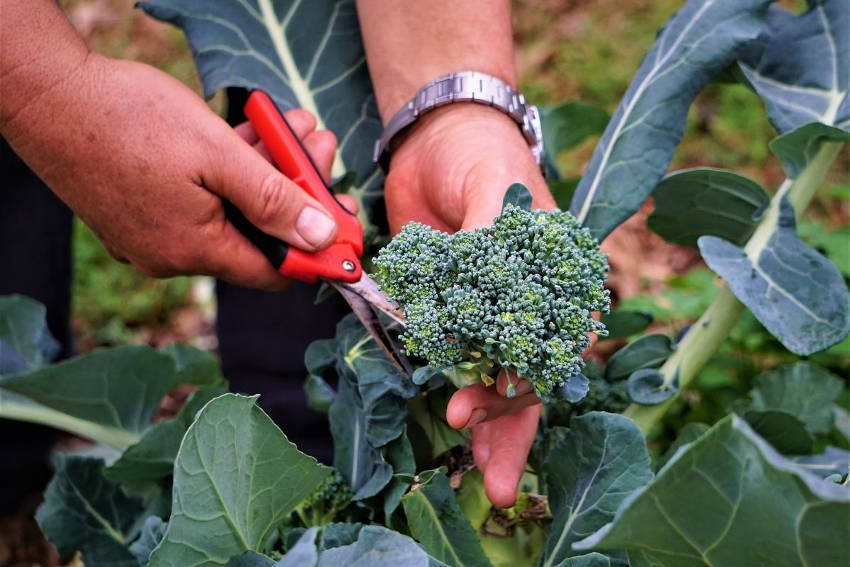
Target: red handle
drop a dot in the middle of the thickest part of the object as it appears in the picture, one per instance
(336, 261)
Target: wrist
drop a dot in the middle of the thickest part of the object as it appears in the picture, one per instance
(469, 120)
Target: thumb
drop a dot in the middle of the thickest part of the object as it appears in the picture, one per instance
(268, 199)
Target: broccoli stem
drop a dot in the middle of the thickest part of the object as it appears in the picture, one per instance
(705, 336)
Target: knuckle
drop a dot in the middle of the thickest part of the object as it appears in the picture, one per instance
(273, 197)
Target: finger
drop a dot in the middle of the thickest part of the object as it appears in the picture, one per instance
(349, 202)
(477, 403)
(481, 445)
(520, 386)
(261, 149)
(246, 132)
(301, 121)
(321, 147)
(484, 199)
(511, 437)
(231, 257)
(269, 200)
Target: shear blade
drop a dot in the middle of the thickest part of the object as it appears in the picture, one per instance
(370, 319)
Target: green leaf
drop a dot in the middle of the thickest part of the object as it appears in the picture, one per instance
(784, 431)
(82, 511)
(193, 365)
(319, 394)
(716, 499)
(646, 387)
(623, 323)
(567, 125)
(357, 460)
(429, 432)
(250, 559)
(701, 39)
(695, 202)
(688, 434)
(646, 352)
(338, 534)
(602, 459)
(153, 530)
(589, 560)
(381, 387)
(303, 54)
(797, 148)
(794, 291)
(108, 395)
(25, 341)
(517, 195)
(236, 478)
(376, 547)
(399, 454)
(833, 243)
(303, 553)
(436, 521)
(799, 65)
(802, 389)
(832, 461)
(152, 458)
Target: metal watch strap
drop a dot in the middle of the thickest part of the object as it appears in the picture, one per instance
(464, 86)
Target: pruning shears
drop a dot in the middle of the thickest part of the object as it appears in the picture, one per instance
(339, 264)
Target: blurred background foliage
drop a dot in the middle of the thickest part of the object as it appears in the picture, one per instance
(584, 50)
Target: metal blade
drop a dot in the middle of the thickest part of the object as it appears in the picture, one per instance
(369, 290)
(372, 321)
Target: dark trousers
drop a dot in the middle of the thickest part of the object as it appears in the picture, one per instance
(262, 336)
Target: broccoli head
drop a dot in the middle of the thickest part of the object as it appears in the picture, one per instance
(518, 295)
(325, 503)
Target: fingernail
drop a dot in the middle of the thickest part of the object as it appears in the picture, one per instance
(523, 387)
(314, 226)
(476, 417)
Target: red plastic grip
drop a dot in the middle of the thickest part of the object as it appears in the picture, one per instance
(292, 160)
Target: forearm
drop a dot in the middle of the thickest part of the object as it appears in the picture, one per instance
(410, 42)
(39, 52)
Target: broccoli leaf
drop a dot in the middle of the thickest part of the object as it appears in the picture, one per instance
(567, 125)
(601, 460)
(82, 511)
(800, 66)
(25, 341)
(646, 352)
(794, 291)
(436, 521)
(108, 395)
(695, 202)
(732, 477)
(303, 54)
(376, 547)
(702, 38)
(153, 530)
(623, 323)
(801, 389)
(517, 195)
(236, 478)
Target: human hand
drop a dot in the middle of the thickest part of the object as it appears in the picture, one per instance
(451, 172)
(145, 163)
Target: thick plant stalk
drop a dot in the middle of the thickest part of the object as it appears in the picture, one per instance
(706, 335)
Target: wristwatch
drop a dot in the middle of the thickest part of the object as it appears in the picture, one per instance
(463, 86)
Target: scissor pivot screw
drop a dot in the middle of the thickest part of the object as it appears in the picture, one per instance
(348, 266)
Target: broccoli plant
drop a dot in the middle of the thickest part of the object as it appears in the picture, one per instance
(648, 469)
(518, 295)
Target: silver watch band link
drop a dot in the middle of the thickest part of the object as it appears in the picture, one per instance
(464, 86)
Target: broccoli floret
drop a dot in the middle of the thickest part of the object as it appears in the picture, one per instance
(324, 503)
(518, 295)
